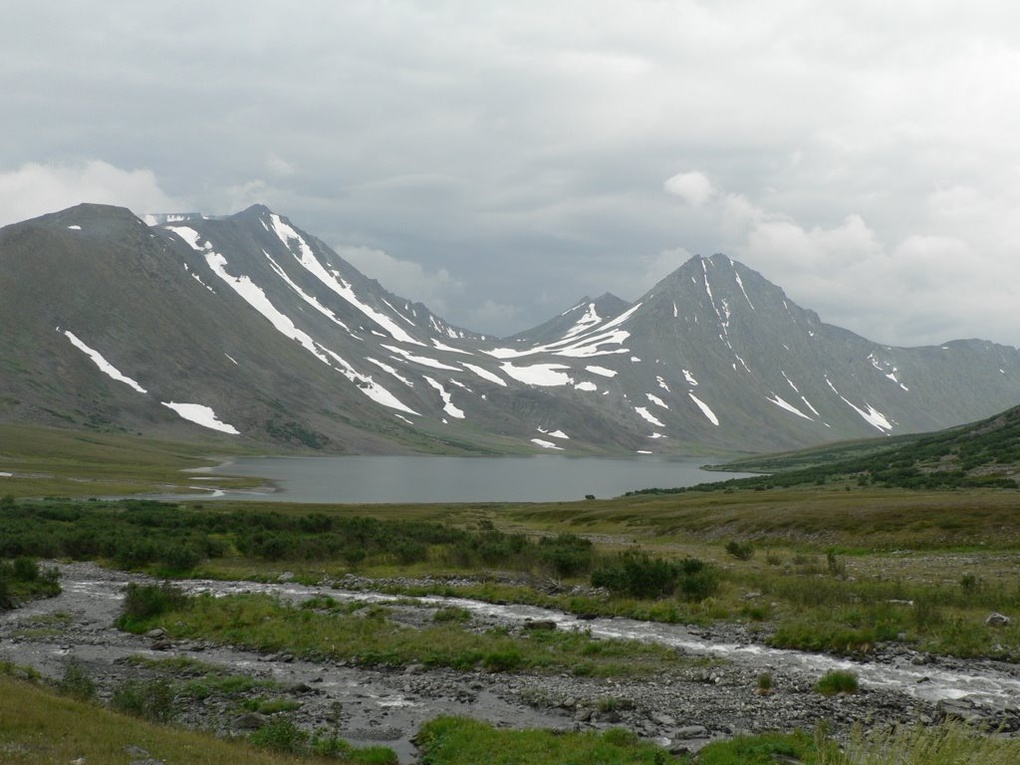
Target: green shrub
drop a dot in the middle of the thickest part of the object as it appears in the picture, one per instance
(77, 682)
(740, 550)
(280, 735)
(502, 661)
(143, 602)
(837, 681)
(641, 576)
(152, 700)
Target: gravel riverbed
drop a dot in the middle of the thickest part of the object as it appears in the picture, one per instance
(698, 701)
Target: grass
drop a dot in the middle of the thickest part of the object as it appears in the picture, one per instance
(368, 637)
(462, 741)
(57, 462)
(40, 726)
(837, 682)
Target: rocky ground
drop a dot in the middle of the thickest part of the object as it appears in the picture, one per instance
(702, 699)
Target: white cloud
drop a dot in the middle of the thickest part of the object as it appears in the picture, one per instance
(36, 189)
(404, 277)
(921, 288)
(693, 187)
(278, 166)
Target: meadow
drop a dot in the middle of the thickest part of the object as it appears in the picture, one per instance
(841, 566)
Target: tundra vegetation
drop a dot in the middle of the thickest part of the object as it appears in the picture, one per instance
(837, 564)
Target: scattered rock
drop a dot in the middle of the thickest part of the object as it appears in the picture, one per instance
(250, 721)
(996, 619)
(691, 731)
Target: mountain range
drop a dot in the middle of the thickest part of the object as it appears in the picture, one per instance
(246, 328)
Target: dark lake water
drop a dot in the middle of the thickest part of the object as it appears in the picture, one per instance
(460, 479)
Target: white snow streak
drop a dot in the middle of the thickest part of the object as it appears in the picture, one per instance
(578, 346)
(741, 284)
(544, 375)
(75, 227)
(104, 366)
(485, 374)
(689, 378)
(256, 298)
(662, 384)
(333, 280)
(448, 405)
(200, 414)
(596, 370)
(778, 401)
(705, 409)
(872, 416)
(304, 295)
(425, 360)
(546, 444)
(392, 370)
(657, 401)
(587, 386)
(586, 322)
(646, 415)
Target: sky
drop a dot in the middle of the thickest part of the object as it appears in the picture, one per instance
(500, 160)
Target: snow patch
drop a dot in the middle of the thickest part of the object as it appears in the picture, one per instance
(870, 415)
(657, 401)
(596, 370)
(332, 279)
(200, 414)
(662, 384)
(740, 283)
(424, 360)
(689, 378)
(705, 409)
(554, 433)
(648, 416)
(104, 366)
(392, 370)
(546, 444)
(448, 405)
(778, 401)
(75, 227)
(485, 374)
(586, 322)
(587, 386)
(232, 359)
(544, 375)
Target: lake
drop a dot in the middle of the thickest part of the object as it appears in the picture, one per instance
(544, 478)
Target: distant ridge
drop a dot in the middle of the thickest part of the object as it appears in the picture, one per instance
(247, 329)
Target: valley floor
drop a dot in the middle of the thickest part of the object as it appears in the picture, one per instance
(707, 695)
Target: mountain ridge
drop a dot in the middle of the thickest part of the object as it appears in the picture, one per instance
(246, 323)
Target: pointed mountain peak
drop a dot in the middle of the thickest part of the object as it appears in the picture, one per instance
(257, 210)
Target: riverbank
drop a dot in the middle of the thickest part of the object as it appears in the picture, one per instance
(712, 692)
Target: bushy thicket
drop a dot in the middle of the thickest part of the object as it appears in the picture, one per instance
(22, 579)
(139, 533)
(639, 575)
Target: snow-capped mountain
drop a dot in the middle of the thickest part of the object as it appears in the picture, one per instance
(245, 327)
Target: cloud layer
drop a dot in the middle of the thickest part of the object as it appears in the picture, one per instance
(508, 159)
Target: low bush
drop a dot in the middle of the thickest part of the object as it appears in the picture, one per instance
(144, 602)
(77, 682)
(837, 681)
(740, 550)
(641, 576)
(153, 700)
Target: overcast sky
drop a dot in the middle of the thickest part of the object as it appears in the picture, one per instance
(500, 160)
